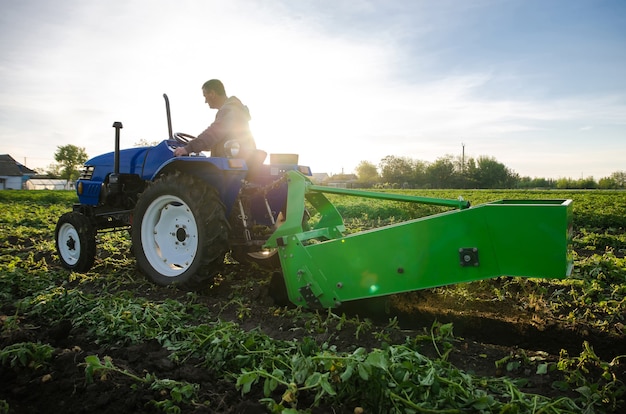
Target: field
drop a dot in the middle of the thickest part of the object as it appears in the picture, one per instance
(107, 341)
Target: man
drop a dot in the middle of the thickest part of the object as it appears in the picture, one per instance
(229, 129)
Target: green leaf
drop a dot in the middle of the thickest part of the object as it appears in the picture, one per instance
(326, 386)
(246, 380)
(267, 388)
(542, 369)
(378, 359)
(364, 371)
(313, 379)
(347, 373)
(560, 385)
(513, 365)
(429, 379)
(483, 402)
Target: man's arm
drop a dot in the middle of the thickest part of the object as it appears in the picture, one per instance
(215, 133)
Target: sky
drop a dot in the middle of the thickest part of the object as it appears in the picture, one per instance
(540, 86)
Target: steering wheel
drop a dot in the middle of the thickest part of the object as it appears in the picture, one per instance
(183, 138)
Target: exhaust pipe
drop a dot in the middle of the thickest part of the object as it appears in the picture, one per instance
(116, 160)
(169, 116)
(114, 185)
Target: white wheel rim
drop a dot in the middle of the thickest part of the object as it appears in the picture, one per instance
(169, 235)
(69, 244)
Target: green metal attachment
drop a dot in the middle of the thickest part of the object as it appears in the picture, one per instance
(323, 267)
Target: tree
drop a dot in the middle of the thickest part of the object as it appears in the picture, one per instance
(527, 182)
(420, 177)
(396, 170)
(607, 183)
(442, 173)
(468, 170)
(586, 183)
(620, 178)
(53, 170)
(367, 173)
(70, 157)
(493, 174)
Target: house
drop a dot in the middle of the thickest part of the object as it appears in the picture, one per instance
(13, 175)
(319, 178)
(342, 181)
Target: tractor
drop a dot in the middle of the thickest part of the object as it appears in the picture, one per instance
(185, 214)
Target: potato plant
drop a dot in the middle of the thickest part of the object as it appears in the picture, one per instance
(226, 347)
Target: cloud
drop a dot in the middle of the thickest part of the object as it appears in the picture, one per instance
(336, 82)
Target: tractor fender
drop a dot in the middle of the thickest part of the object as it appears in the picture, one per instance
(222, 174)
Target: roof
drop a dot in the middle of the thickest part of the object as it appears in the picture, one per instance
(11, 168)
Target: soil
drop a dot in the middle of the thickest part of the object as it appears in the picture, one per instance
(483, 335)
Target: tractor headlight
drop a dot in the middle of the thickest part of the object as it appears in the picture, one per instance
(231, 148)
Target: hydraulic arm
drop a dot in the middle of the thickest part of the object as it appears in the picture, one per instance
(324, 267)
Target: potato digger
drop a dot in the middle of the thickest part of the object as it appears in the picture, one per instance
(185, 214)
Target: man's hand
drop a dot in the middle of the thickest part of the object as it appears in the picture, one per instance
(180, 151)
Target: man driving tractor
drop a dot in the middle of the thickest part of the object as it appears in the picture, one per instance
(230, 133)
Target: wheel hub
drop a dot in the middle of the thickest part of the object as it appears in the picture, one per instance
(181, 234)
(71, 243)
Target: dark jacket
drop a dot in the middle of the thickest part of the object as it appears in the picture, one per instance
(230, 125)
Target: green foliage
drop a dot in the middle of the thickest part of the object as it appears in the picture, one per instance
(70, 157)
(26, 354)
(180, 392)
(367, 174)
(451, 171)
(295, 374)
(115, 318)
(595, 380)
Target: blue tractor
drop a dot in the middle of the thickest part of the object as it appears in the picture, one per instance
(184, 213)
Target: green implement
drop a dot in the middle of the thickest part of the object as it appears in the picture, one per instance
(324, 267)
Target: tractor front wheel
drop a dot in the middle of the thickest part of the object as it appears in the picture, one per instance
(179, 232)
(75, 239)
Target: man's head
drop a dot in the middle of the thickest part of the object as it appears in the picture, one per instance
(214, 93)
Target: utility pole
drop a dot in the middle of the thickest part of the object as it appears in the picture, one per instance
(463, 158)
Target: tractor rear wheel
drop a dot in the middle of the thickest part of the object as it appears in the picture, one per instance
(180, 232)
(75, 239)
